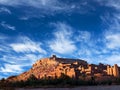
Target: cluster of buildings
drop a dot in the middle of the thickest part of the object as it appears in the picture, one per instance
(75, 68)
(53, 67)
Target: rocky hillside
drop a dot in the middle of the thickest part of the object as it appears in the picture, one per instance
(51, 68)
(54, 67)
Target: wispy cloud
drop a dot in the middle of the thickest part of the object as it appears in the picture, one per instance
(26, 45)
(62, 43)
(115, 58)
(49, 7)
(68, 40)
(21, 2)
(9, 68)
(24, 18)
(112, 40)
(4, 48)
(22, 59)
(87, 48)
(29, 51)
(83, 36)
(113, 3)
(15, 64)
(7, 26)
(3, 44)
(44, 7)
(112, 33)
(46, 4)
(4, 9)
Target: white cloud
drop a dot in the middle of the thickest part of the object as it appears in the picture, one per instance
(8, 68)
(110, 58)
(14, 64)
(62, 43)
(50, 7)
(110, 3)
(22, 2)
(7, 26)
(114, 3)
(89, 52)
(42, 4)
(83, 36)
(112, 33)
(84, 51)
(21, 59)
(113, 40)
(24, 18)
(87, 47)
(4, 48)
(30, 51)
(67, 40)
(26, 45)
(4, 9)
(9, 2)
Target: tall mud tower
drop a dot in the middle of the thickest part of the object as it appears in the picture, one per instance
(115, 71)
(109, 70)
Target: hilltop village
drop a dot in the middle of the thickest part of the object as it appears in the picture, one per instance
(53, 67)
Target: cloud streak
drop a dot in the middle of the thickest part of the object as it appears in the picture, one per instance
(27, 46)
(112, 40)
(41, 4)
(62, 43)
(7, 26)
(8, 68)
(12, 63)
(48, 7)
(4, 9)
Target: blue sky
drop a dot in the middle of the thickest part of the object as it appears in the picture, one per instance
(33, 29)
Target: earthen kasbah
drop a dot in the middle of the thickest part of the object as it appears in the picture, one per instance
(53, 67)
